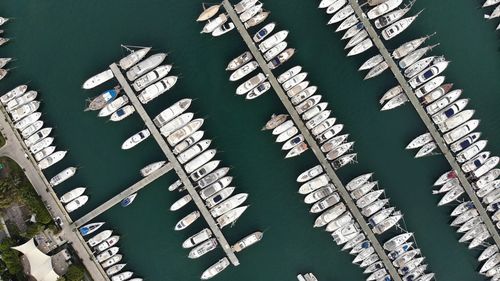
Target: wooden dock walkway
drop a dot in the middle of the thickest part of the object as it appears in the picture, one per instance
(176, 165)
(427, 121)
(122, 195)
(312, 142)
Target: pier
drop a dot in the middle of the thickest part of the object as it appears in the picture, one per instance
(427, 121)
(122, 195)
(176, 165)
(312, 142)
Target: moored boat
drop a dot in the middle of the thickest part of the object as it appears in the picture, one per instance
(51, 159)
(187, 220)
(76, 203)
(98, 79)
(215, 268)
(70, 195)
(197, 238)
(171, 112)
(90, 228)
(132, 58)
(122, 113)
(62, 176)
(127, 201)
(247, 241)
(157, 89)
(136, 139)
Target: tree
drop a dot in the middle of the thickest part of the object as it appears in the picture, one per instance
(75, 273)
(10, 256)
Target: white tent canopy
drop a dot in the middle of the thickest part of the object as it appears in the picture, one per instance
(40, 264)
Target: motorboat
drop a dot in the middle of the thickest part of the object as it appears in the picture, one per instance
(354, 241)
(369, 260)
(243, 71)
(23, 99)
(98, 79)
(113, 106)
(488, 253)
(171, 112)
(182, 133)
(371, 62)
(451, 195)
(76, 203)
(369, 198)
(391, 93)
(377, 70)
(308, 104)
(356, 39)
(363, 254)
(345, 233)
(410, 46)
(273, 40)
(426, 150)
(112, 261)
(304, 94)
(437, 93)
(281, 58)
(230, 217)
(28, 120)
(465, 216)
(158, 88)
(376, 275)
(128, 200)
(330, 133)
(445, 177)
(486, 179)
(132, 58)
(97, 103)
(151, 77)
(471, 151)
(107, 254)
(319, 194)
(362, 190)
(228, 204)
(197, 238)
(43, 143)
(291, 143)
(443, 102)
(199, 160)
(204, 170)
(297, 89)
(90, 228)
(215, 187)
(490, 190)
(343, 220)
(310, 113)
(247, 241)
(333, 143)
(287, 75)
(193, 151)
(353, 30)
(335, 6)
(361, 47)
(250, 84)
(176, 123)
(323, 126)
(275, 121)
(428, 74)
(250, 12)
(415, 55)
(396, 28)
(383, 8)
(470, 224)
(145, 66)
(418, 66)
(396, 101)
(108, 243)
(420, 141)
(203, 248)
(314, 184)
(177, 184)
(62, 176)
(4, 61)
(51, 159)
(461, 208)
(488, 3)
(341, 14)
(310, 173)
(136, 139)
(208, 12)
(405, 258)
(258, 90)
(188, 142)
(257, 19)
(410, 265)
(124, 276)
(187, 220)
(395, 242)
(213, 24)
(318, 118)
(429, 86)
(494, 14)
(465, 142)
(392, 17)
(329, 215)
(44, 152)
(449, 111)
(348, 23)
(212, 177)
(447, 186)
(274, 51)
(218, 266)
(297, 150)
(38, 135)
(486, 167)
(456, 120)
(473, 232)
(181, 202)
(73, 194)
(296, 79)
(264, 32)
(219, 196)
(325, 3)
(24, 110)
(122, 113)
(223, 29)
(339, 151)
(239, 61)
(325, 203)
(31, 129)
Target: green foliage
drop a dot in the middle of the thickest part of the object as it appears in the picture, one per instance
(75, 273)
(10, 257)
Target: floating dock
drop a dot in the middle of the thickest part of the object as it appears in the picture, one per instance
(311, 142)
(176, 165)
(122, 195)
(427, 121)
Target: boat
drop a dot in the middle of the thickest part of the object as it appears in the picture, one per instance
(490, 191)
(348, 23)
(456, 120)
(314, 184)
(319, 116)
(443, 102)
(377, 70)
(281, 58)
(383, 8)
(345, 233)
(391, 93)
(127, 201)
(448, 112)
(302, 86)
(228, 204)
(310, 173)
(122, 113)
(335, 6)
(243, 71)
(272, 41)
(353, 30)
(204, 170)
(215, 187)
(426, 150)
(39, 135)
(51, 159)
(362, 190)
(353, 242)
(471, 151)
(62, 176)
(24, 110)
(469, 224)
(486, 167)
(428, 74)
(69, 196)
(158, 88)
(247, 241)
(418, 66)
(409, 47)
(132, 58)
(392, 17)
(405, 258)
(108, 243)
(371, 62)
(451, 195)
(263, 32)
(28, 120)
(429, 86)
(461, 208)
(341, 14)
(97, 103)
(98, 79)
(4, 61)
(494, 14)
(44, 152)
(356, 39)
(145, 66)
(219, 196)
(411, 265)
(397, 241)
(325, 203)
(76, 203)
(112, 261)
(124, 276)
(176, 123)
(181, 202)
(361, 47)
(17, 102)
(297, 150)
(213, 24)
(188, 142)
(313, 111)
(330, 133)
(37, 147)
(187, 220)
(231, 216)
(250, 12)
(30, 130)
(291, 143)
(199, 160)
(151, 77)
(333, 143)
(175, 185)
(484, 180)
(212, 177)
(329, 215)
(3, 20)
(113, 106)
(289, 133)
(396, 101)
(473, 232)
(239, 61)
(250, 84)
(293, 81)
(415, 55)
(193, 151)
(369, 198)
(208, 12)
(274, 51)
(465, 216)
(323, 126)
(107, 254)
(4, 40)
(339, 151)
(488, 252)
(420, 141)
(304, 94)
(90, 228)
(203, 248)
(182, 133)
(223, 29)
(171, 112)
(437, 93)
(465, 142)
(488, 3)
(136, 139)
(325, 3)
(218, 267)
(258, 90)
(197, 238)
(257, 19)
(396, 28)
(343, 220)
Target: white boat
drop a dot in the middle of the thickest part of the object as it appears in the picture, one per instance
(250, 84)
(223, 29)
(187, 220)
(353, 242)
(319, 194)
(471, 151)
(39, 135)
(176, 123)
(215, 187)
(473, 232)
(456, 120)
(212, 177)
(345, 233)
(291, 143)
(410, 265)
(136, 139)
(28, 120)
(213, 24)
(409, 47)
(184, 132)
(290, 132)
(437, 93)
(51, 159)
(115, 269)
(297, 150)
(107, 254)
(348, 23)
(219, 196)
(274, 51)
(418, 66)
(37, 147)
(333, 143)
(314, 184)
(230, 217)
(335, 6)
(383, 8)
(275, 121)
(488, 3)
(323, 126)
(330, 133)
(122, 113)
(199, 160)
(488, 252)
(281, 58)
(470, 224)
(243, 71)
(363, 190)
(330, 215)
(310, 113)
(263, 32)
(461, 208)
(24, 110)
(247, 241)
(4, 61)
(325, 203)
(353, 30)
(391, 93)
(132, 58)
(108, 243)
(158, 88)
(369, 198)
(193, 151)
(203, 248)
(461, 131)
(426, 150)
(396, 241)
(420, 141)
(415, 55)
(258, 90)
(76, 203)
(124, 276)
(465, 142)
(17, 102)
(297, 89)
(204, 170)
(112, 261)
(69, 196)
(486, 167)
(310, 173)
(449, 111)
(356, 39)
(451, 195)
(296, 79)
(171, 112)
(377, 70)
(427, 74)
(361, 47)
(429, 86)
(325, 3)
(392, 17)
(218, 266)
(319, 116)
(188, 142)
(151, 77)
(396, 28)
(341, 14)
(490, 176)
(98, 79)
(371, 62)
(465, 216)
(3, 20)
(273, 40)
(31, 129)
(396, 101)
(181, 202)
(250, 12)
(239, 61)
(358, 181)
(197, 238)
(113, 106)
(62, 176)
(44, 152)
(490, 190)
(405, 258)
(145, 66)
(228, 204)
(304, 94)
(339, 151)
(208, 12)
(494, 14)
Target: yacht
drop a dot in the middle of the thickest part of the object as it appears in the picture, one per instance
(132, 58)
(176, 123)
(330, 133)
(215, 187)
(486, 167)
(319, 194)
(291, 143)
(356, 39)
(108, 243)
(310, 173)
(396, 101)
(362, 190)
(282, 127)
(171, 112)
(486, 179)
(371, 62)
(405, 258)
(51, 159)
(112, 261)
(28, 120)
(193, 151)
(212, 177)
(111, 107)
(410, 265)
(490, 190)
(158, 88)
(396, 28)
(243, 71)
(37, 147)
(428, 74)
(292, 131)
(219, 196)
(377, 70)
(313, 184)
(302, 86)
(230, 217)
(197, 238)
(392, 17)
(293, 81)
(247, 241)
(273, 40)
(461, 208)
(418, 66)
(151, 77)
(122, 113)
(358, 181)
(319, 116)
(181, 202)
(473, 232)
(175, 185)
(239, 61)
(436, 94)
(488, 3)
(297, 150)
(97, 103)
(488, 253)
(416, 273)
(470, 224)
(363, 254)
(397, 241)
(312, 112)
(204, 170)
(188, 142)
(24, 110)
(335, 6)
(44, 152)
(339, 151)
(223, 29)
(443, 102)
(374, 207)
(451, 195)
(209, 12)
(465, 216)
(369, 261)
(281, 58)
(460, 131)
(361, 47)
(287, 75)
(31, 129)
(145, 66)
(213, 24)
(330, 215)
(107, 254)
(4, 40)
(353, 30)
(258, 90)
(369, 198)
(445, 178)
(303, 94)
(4, 61)
(415, 55)
(494, 14)
(62, 176)
(325, 3)
(218, 266)
(345, 233)
(127, 201)
(199, 160)
(257, 19)
(341, 14)
(325, 203)
(420, 141)
(98, 79)
(76, 203)
(124, 276)
(203, 248)
(250, 12)
(275, 121)
(409, 47)
(333, 143)
(187, 220)
(383, 8)
(136, 139)
(228, 204)
(426, 150)
(74, 193)
(90, 228)
(465, 142)
(348, 23)
(182, 133)
(353, 242)
(323, 126)
(39, 135)
(455, 120)
(250, 84)
(17, 102)
(429, 86)
(391, 93)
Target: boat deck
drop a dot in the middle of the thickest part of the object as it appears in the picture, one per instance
(122, 195)
(176, 165)
(311, 141)
(427, 121)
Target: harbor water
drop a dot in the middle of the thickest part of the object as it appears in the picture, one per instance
(59, 44)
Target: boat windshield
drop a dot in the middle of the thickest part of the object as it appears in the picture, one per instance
(428, 74)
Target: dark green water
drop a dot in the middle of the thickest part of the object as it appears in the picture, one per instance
(59, 44)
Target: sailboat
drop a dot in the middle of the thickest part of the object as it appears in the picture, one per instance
(127, 201)
(208, 12)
